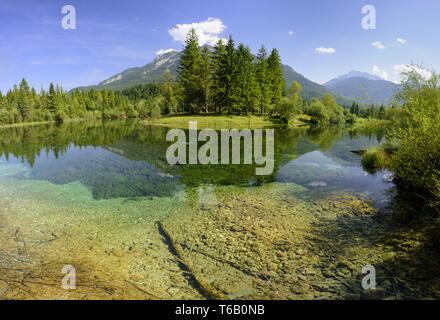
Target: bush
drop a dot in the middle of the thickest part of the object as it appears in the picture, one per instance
(317, 112)
(60, 116)
(155, 112)
(416, 135)
(287, 108)
(131, 112)
(374, 160)
(336, 115)
(144, 113)
(416, 161)
(350, 118)
(4, 116)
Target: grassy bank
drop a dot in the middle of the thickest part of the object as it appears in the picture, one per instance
(377, 158)
(370, 124)
(23, 124)
(36, 123)
(214, 121)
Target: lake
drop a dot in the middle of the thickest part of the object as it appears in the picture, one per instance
(101, 197)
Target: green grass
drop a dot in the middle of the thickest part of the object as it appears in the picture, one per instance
(372, 124)
(375, 159)
(213, 121)
(23, 124)
(222, 121)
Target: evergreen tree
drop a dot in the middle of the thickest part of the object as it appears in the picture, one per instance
(228, 75)
(51, 99)
(190, 71)
(169, 100)
(381, 114)
(246, 89)
(206, 69)
(353, 108)
(218, 88)
(276, 77)
(263, 80)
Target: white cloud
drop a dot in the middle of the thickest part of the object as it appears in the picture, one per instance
(325, 50)
(291, 32)
(208, 31)
(380, 72)
(162, 51)
(401, 41)
(378, 45)
(407, 68)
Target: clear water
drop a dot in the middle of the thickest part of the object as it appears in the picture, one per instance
(91, 195)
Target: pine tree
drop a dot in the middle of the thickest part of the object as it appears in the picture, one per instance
(218, 87)
(189, 71)
(228, 75)
(381, 114)
(263, 79)
(276, 78)
(169, 101)
(353, 108)
(51, 99)
(247, 89)
(206, 69)
(24, 100)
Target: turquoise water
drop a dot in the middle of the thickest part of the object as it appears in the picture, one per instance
(94, 194)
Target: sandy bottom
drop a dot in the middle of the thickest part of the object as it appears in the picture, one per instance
(269, 242)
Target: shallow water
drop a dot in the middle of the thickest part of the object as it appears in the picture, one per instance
(102, 198)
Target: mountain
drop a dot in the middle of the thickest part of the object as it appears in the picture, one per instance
(152, 72)
(312, 89)
(363, 86)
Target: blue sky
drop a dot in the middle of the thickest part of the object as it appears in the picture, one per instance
(111, 36)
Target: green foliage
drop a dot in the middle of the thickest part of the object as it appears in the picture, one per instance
(317, 112)
(374, 160)
(326, 111)
(206, 75)
(263, 80)
(287, 108)
(23, 104)
(416, 134)
(246, 96)
(276, 78)
(416, 162)
(190, 73)
(290, 106)
(167, 90)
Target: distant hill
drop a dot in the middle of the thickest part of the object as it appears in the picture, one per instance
(312, 89)
(152, 72)
(364, 87)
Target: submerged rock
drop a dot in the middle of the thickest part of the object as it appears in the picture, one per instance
(317, 184)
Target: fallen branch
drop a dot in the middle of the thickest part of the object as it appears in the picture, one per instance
(203, 283)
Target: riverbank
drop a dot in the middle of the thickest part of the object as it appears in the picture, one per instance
(370, 124)
(212, 121)
(222, 121)
(37, 123)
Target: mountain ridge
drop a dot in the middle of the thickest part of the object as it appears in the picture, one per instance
(363, 87)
